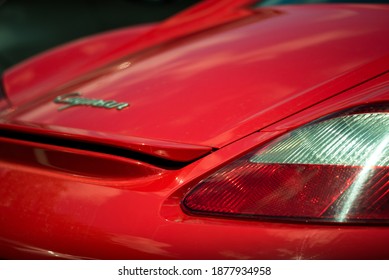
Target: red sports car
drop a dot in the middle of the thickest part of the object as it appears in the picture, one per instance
(237, 129)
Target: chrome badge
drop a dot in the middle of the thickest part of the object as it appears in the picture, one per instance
(76, 99)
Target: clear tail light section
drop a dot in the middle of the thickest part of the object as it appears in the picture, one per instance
(335, 169)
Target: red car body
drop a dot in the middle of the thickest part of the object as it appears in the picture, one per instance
(203, 88)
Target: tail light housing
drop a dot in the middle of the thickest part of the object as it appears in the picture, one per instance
(335, 169)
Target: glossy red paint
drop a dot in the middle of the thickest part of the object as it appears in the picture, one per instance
(272, 69)
(65, 63)
(30, 78)
(162, 149)
(257, 59)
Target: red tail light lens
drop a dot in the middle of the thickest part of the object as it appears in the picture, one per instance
(333, 170)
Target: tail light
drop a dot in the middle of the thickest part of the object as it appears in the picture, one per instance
(335, 169)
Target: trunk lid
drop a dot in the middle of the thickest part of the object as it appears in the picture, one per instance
(181, 98)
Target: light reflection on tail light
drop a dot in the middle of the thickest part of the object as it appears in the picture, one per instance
(335, 169)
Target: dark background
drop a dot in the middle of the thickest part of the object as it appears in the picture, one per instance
(28, 27)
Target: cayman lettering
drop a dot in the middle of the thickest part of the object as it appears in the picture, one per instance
(76, 99)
